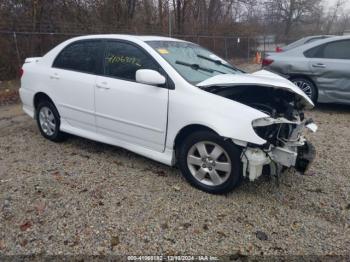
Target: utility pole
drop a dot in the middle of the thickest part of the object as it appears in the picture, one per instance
(169, 17)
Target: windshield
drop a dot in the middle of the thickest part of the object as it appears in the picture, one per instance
(191, 61)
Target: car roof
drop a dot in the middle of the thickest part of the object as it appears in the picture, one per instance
(48, 57)
(316, 36)
(301, 49)
(326, 40)
(143, 38)
(323, 41)
(304, 40)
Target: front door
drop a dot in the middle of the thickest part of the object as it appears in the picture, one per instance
(126, 110)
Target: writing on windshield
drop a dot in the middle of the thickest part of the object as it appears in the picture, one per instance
(193, 62)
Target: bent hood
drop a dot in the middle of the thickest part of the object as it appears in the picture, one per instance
(261, 78)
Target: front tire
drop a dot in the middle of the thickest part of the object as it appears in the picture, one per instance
(48, 121)
(210, 163)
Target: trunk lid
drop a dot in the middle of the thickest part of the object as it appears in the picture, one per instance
(32, 59)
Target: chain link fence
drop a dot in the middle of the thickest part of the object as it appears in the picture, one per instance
(16, 46)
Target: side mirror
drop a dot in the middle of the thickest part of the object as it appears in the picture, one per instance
(149, 77)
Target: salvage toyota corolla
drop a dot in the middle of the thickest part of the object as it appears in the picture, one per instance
(172, 101)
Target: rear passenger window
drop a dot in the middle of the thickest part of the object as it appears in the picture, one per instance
(333, 50)
(122, 60)
(337, 50)
(82, 56)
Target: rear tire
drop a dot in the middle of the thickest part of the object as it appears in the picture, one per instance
(48, 121)
(210, 163)
(307, 87)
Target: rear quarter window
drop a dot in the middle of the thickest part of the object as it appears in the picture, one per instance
(313, 52)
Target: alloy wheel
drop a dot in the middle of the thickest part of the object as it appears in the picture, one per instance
(209, 163)
(47, 121)
(305, 87)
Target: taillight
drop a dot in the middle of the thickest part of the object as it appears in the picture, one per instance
(279, 50)
(267, 62)
(21, 72)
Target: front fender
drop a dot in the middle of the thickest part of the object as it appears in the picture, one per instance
(227, 118)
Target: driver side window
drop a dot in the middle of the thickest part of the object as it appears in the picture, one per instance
(122, 60)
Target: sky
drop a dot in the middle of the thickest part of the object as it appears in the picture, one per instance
(330, 3)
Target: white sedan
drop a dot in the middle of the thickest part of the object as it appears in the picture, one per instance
(172, 101)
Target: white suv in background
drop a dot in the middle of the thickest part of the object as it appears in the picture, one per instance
(172, 101)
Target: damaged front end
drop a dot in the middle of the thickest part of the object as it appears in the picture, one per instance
(282, 129)
(286, 147)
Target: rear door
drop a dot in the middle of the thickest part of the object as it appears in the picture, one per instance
(72, 81)
(330, 64)
(126, 110)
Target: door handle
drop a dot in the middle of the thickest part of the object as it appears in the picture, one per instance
(103, 85)
(319, 65)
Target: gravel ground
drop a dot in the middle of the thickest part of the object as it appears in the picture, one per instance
(9, 92)
(84, 197)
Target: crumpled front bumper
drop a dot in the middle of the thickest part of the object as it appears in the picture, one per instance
(295, 153)
(306, 155)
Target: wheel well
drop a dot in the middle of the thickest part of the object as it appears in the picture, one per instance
(307, 78)
(186, 131)
(39, 97)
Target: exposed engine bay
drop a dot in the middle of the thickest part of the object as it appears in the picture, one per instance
(285, 145)
(274, 102)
